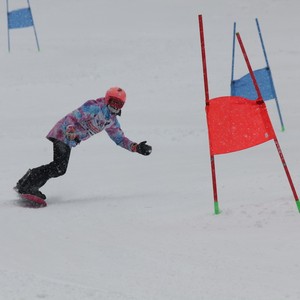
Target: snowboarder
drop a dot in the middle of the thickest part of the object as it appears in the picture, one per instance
(90, 118)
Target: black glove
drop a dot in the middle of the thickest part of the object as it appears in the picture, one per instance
(143, 148)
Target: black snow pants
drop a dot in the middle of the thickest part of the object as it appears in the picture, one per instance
(58, 167)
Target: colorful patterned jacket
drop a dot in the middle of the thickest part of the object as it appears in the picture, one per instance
(90, 118)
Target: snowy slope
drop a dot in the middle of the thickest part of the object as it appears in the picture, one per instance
(121, 226)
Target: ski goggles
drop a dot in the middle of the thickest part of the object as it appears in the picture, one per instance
(115, 103)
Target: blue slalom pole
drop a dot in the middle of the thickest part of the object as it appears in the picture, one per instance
(233, 52)
(268, 66)
(8, 37)
(36, 38)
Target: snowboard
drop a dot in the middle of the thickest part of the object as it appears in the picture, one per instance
(28, 200)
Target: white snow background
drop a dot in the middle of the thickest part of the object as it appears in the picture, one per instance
(121, 226)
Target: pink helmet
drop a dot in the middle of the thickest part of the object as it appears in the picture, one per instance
(115, 93)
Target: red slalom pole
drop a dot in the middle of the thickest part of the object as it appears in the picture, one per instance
(287, 173)
(202, 44)
(205, 77)
(260, 98)
(275, 138)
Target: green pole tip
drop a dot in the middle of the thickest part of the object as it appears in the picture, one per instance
(282, 129)
(298, 205)
(217, 210)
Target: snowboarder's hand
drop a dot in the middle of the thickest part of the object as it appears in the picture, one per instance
(71, 133)
(143, 148)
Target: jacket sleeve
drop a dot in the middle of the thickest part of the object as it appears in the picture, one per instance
(117, 135)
